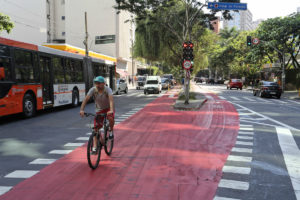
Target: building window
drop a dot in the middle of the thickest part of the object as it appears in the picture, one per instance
(63, 17)
(105, 39)
(63, 33)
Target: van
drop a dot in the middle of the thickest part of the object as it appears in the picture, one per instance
(153, 85)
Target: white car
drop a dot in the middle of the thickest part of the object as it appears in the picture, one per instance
(153, 85)
(121, 86)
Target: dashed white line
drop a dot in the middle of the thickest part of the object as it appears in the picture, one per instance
(245, 125)
(222, 97)
(235, 98)
(89, 133)
(21, 174)
(224, 198)
(246, 128)
(236, 170)
(60, 151)
(4, 189)
(239, 158)
(245, 133)
(236, 185)
(83, 138)
(241, 150)
(42, 161)
(249, 99)
(74, 144)
(244, 143)
(245, 137)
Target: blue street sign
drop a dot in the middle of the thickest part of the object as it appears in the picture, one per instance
(227, 6)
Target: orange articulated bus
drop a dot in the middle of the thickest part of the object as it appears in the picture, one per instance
(36, 77)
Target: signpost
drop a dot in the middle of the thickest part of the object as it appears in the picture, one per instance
(187, 64)
(226, 6)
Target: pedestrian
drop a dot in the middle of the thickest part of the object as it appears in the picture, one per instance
(129, 80)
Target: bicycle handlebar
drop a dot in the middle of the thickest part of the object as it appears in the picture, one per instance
(91, 114)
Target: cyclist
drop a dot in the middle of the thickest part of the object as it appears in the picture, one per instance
(104, 103)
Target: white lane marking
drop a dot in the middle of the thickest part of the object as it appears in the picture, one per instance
(60, 151)
(263, 100)
(245, 125)
(119, 120)
(293, 101)
(236, 185)
(140, 95)
(236, 170)
(224, 198)
(74, 144)
(21, 174)
(132, 94)
(4, 189)
(235, 98)
(245, 137)
(239, 158)
(88, 133)
(83, 138)
(291, 155)
(245, 133)
(42, 161)
(249, 99)
(246, 128)
(137, 108)
(244, 143)
(241, 150)
(124, 117)
(274, 100)
(266, 117)
(222, 97)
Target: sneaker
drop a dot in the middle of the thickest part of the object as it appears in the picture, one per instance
(111, 135)
(94, 151)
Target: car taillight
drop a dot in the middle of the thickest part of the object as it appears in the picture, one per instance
(264, 88)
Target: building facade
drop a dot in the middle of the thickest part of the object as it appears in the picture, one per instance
(216, 25)
(63, 22)
(30, 24)
(242, 20)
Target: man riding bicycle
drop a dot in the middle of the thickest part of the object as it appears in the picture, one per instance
(104, 103)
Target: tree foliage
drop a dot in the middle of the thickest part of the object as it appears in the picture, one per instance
(5, 23)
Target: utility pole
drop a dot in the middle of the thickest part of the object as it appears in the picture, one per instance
(132, 49)
(86, 36)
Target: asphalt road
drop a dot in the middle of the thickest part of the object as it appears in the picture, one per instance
(272, 126)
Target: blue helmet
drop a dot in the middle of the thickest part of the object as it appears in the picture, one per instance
(99, 79)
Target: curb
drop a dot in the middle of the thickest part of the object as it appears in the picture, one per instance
(190, 109)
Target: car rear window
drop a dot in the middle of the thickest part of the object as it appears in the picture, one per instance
(271, 83)
(236, 80)
(152, 82)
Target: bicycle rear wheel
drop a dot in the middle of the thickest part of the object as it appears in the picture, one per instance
(94, 157)
(109, 144)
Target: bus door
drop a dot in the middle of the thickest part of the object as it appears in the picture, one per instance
(46, 80)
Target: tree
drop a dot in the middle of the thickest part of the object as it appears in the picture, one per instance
(5, 23)
(177, 19)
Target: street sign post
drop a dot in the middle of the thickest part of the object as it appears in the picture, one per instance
(187, 64)
(227, 6)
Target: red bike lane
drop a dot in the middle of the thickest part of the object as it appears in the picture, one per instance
(159, 153)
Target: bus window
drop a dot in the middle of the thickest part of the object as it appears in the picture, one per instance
(24, 67)
(5, 67)
(79, 71)
(68, 71)
(59, 75)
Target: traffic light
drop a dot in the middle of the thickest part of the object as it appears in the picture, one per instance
(249, 40)
(188, 51)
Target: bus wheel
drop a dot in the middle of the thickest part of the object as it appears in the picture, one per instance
(75, 98)
(29, 108)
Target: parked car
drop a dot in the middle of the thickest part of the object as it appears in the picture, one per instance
(141, 80)
(165, 83)
(121, 86)
(153, 85)
(171, 78)
(235, 83)
(267, 89)
(198, 80)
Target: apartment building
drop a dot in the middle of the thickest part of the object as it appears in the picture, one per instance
(242, 20)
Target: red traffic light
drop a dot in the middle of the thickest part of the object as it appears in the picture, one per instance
(191, 45)
(185, 45)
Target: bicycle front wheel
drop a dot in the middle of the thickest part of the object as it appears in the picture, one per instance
(94, 156)
(109, 144)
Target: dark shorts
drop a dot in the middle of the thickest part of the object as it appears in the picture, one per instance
(98, 120)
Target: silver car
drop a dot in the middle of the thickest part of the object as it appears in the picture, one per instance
(121, 87)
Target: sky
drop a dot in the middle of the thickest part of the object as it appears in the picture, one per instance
(264, 9)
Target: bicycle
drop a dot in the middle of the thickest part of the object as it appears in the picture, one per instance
(94, 156)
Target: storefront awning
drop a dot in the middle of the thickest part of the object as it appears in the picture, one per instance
(122, 73)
